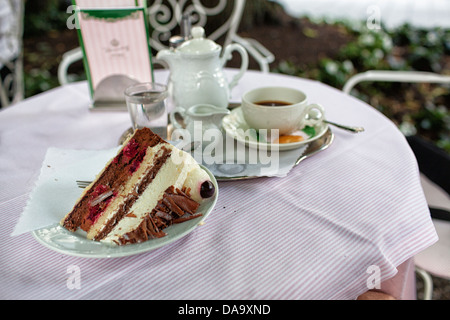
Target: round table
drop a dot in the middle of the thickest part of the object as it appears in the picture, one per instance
(337, 225)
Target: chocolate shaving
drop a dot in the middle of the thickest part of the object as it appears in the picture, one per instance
(184, 219)
(166, 213)
(172, 205)
(147, 230)
(184, 203)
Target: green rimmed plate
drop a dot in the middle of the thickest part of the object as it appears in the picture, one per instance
(61, 240)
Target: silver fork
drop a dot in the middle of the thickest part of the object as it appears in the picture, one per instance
(83, 184)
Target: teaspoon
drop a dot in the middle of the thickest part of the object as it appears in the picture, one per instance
(316, 115)
(348, 128)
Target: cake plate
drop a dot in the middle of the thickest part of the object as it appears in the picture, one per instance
(59, 239)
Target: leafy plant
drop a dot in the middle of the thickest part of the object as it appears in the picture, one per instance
(422, 110)
(44, 16)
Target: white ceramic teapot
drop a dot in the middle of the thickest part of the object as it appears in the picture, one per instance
(196, 71)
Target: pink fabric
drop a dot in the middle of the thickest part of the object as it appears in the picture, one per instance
(403, 285)
(312, 235)
(436, 259)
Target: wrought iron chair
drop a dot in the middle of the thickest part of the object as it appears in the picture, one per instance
(11, 84)
(165, 18)
(434, 260)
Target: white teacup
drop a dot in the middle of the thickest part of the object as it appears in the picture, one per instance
(281, 108)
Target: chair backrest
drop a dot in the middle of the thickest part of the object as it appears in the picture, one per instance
(11, 31)
(165, 17)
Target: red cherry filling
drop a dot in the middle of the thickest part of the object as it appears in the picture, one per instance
(131, 149)
(100, 199)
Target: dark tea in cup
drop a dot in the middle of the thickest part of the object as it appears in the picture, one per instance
(273, 103)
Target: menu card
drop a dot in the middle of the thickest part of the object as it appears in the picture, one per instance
(114, 38)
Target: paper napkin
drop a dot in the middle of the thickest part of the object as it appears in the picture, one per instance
(243, 163)
(56, 190)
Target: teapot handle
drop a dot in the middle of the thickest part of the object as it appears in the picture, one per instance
(227, 55)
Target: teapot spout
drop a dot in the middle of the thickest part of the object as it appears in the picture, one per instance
(218, 111)
(210, 115)
(207, 110)
(223, 113)
(218, 116)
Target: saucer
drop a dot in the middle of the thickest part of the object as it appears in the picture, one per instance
(236, 127)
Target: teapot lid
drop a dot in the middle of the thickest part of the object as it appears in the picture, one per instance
(199, 44)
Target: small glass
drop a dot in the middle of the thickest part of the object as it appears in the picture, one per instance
(147, 107)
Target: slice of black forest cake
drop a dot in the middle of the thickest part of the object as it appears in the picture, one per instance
(148, 186)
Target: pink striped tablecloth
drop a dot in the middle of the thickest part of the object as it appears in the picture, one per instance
(350, 213)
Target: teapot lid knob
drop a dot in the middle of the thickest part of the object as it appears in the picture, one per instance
(198, 32)
(199, 44)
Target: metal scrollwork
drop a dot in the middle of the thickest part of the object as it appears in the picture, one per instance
(11, 84)
(165, 16)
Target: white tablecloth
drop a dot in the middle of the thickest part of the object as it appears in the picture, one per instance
(316, 234)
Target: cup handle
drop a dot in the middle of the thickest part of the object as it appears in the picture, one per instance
(173, 119)
(313, 121)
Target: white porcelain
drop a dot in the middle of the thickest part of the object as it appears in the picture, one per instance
(286, 119)
(196, 71)
(237, 128)
(76, 244)
(199, 118)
